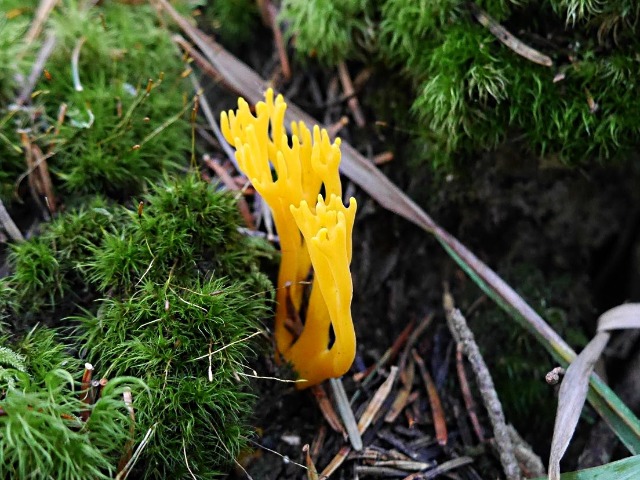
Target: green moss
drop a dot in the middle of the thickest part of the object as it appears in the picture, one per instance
(234, 21)
(179, 281)
(41, 430)
(124, 50)
(182, 283)
(51, 267)
(12, 30)
(124, 124)
(141, 295)
(472, 93)
(15, 58)
(158, 334)
(326, 29)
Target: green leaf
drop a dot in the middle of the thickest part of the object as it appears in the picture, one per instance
(627, 469)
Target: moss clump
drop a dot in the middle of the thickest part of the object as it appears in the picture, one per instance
(473, 93)
(233, 20)
(52, 267)
(176, 278)
(180, 281)
(13, 27)
(123, 124)
(326, 29)
(41, 430)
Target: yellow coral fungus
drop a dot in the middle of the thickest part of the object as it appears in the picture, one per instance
(312, 232)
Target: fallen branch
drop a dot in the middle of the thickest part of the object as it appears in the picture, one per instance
(9, 226)
(508, 39)
(461, 332)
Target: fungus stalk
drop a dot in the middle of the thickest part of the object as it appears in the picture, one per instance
(313, 232)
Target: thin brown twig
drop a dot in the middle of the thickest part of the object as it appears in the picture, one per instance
(312, 472)
(402, 398)
(389, 355)
(318, 442)
(508, 39)
(335, 463)
(226, 179)
(213, 124)
(362, 78)
(382, 158)
(349, 92)
(377, 401)
(202, 62)
(439, 420)
(35, 187)
(413, 338)
(335, 128)
(327, 410)
(36, 70)
(41, 167)
(62, 111)
(278, 38)
(469, 403)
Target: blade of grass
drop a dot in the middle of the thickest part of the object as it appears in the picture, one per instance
(626, 469)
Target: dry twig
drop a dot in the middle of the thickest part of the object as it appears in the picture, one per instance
(508, 39)
(335, 463)
(346, 413)
(439, 420)
(463, 334)
(469, 403)
(402, 399)
(231, 185)
(349, 92)
(36, 70)
(9, 226)
(376, 402)
(327, 410)
(269, 15)
(43, 12)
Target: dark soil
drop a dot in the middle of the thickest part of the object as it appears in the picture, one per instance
(566, 239)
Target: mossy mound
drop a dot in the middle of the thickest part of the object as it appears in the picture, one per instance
(472, 93)
(182, 284)
(111, 116)
(179, 283)
(145, 293)
(46, 429)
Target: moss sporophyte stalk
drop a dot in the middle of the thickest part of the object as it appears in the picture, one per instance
(314, 231)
